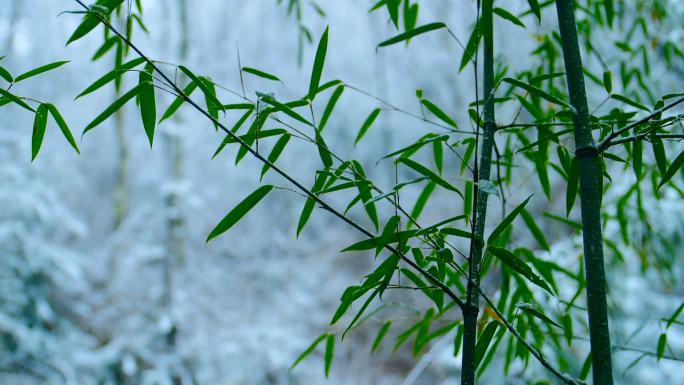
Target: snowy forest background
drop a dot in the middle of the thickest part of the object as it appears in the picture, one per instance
(105, 277)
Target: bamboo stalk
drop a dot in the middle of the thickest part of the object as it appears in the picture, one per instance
(590, 197)
(482, 173)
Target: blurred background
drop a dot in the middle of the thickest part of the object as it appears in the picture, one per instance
(105, 277)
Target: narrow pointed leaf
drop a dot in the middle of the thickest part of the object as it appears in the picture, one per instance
(329, 353)
(175, 105)
(381, 335)
(515, 263)
(319, 61)
(367, 124)
(443, 116)
(148, 105)
(39, 70)
(412, 33)
(507, 221)
(261, 74)
(430, 174)
(536, 91)
(508, 16)
(309, 350)
(330, 107)
(672, 170)
(275, 152)
(61, 123)
(310, 204)
(6, 75)
(535, 230)
(529, 309)
(484, 340)
(112, 108)
(662, 344)
(111, 75)
(239, 211)
(15, 99)
(39, 125)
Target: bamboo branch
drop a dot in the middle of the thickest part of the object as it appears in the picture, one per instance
(606, 142)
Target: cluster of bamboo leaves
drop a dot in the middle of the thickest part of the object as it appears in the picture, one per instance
(432, 258)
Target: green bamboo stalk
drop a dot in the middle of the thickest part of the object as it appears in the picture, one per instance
(590, 197)
(471, 310)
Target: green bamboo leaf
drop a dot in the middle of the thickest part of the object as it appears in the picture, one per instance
(381, 335)
(610, 11)
(674, 316)
(443, 116)
(111, 75)
(237, 106)
(662, 344)
(365, 193)
(148, 105)
(329, 353)
(456, 232)
(536, 91)
(412, 33)
(367, 124)
(430, 174)
(330, 107)
(310, 204)
(529, 309)
(287, 110)
(608, 81)
(535, 230)
(438, 153)
(6, 75)
(39, 70)
(175, 105)
(626, 100)
(112, 108)
(261, 74)
(536, 9)
(471, 47)
(239, 211)
(586, 367)
(507, 221)
(275, 152)
(61, 123)
(319, 61)
(573, 183)
(515, 263)
(566, 320)
(309, 350)
(17, 100)
(381, 241)
(39, 125)
(659, 153)
(508, 16)
(422, 201)
(483, 341)
(323, 152)
(672, 170)
(90, 21)
(411, 149)
(209, 94)
(105, 47)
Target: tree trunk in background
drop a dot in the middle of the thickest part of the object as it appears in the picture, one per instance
(590, 198)
(121, 183)
(482, 173)
(173, 148)
(11, 24)
(121, 179)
